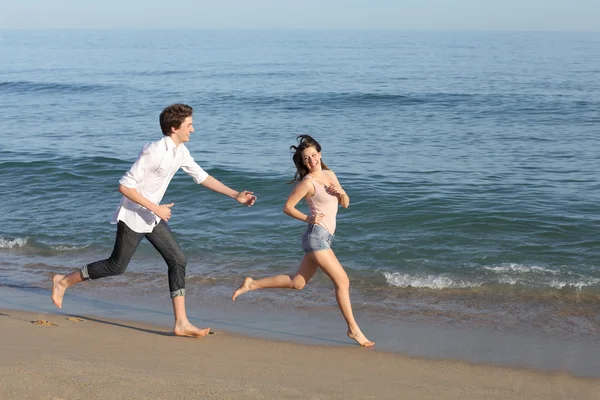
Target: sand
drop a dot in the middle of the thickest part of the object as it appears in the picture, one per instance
(58, 356)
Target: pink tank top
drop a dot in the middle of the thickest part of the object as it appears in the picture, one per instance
(323, 202)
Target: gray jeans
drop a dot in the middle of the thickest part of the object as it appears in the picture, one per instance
(127, 242)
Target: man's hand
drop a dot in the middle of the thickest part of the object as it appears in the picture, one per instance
(246, 198)
(164, 211)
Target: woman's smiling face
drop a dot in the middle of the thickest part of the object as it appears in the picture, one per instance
(311, 158)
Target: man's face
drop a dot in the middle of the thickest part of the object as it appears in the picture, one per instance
(182, 134)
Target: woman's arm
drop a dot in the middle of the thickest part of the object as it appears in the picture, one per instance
(337, 190)
(301, 190)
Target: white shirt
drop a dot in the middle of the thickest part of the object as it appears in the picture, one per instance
(150, 175)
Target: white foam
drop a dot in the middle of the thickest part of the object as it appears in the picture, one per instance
(507, 280)
(579, 285)
(68, 248)
(10, 244)
(404, 280)
(425, 281)
(522, 269)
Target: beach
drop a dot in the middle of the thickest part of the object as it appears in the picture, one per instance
(78, 357)
(470, 243)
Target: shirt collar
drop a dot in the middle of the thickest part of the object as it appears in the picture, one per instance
(169, 143)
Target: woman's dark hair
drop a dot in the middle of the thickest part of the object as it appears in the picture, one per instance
(305, 141)
(173, 116)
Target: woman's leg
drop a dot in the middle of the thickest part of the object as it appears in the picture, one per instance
(332, 267)
(306, 270)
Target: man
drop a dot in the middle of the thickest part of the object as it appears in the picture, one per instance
(140, 213)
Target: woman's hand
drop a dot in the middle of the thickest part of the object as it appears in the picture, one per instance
(336, 190)
(316, 219)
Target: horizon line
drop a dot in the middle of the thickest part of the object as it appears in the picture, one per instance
(302, 29)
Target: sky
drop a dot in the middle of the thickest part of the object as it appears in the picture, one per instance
(504, 15)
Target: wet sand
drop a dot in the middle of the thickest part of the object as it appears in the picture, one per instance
(312, 326)
(58, 356)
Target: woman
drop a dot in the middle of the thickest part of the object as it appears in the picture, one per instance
(323, 193)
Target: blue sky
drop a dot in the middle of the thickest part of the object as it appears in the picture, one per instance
(521, 15)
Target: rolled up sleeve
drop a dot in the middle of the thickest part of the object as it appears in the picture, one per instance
(139, 169)
(191, 167)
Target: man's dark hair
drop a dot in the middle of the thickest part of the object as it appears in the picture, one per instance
(173, 116)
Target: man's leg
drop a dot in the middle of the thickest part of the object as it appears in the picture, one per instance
(126, 242)
(163, 240)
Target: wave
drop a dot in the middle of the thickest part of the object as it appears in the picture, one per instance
(52, 164)
(511, 275)
(579, 284)
(522, 269)
(51, 87)
(331, 100)
(11, 244)
(229, 75)
(480, 103)
(403, 280)
(61, 248)
(28, 242)
(157, 73)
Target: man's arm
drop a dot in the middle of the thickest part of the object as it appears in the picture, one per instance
(243, 197)
(145, 162)
(163, 210)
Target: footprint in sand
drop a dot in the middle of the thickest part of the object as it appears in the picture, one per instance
(74, 319)
(43, 322)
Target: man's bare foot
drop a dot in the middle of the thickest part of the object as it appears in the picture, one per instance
(246, 286)
(187, 329)
(58, 290)
(361, 339)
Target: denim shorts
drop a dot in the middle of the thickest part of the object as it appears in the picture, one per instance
(316, 238)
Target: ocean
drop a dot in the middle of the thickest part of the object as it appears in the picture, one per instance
(470, 158)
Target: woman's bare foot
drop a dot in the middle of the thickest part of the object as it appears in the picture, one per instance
(361, 339)
(246, 286)
(58, 290)
(187, 329)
